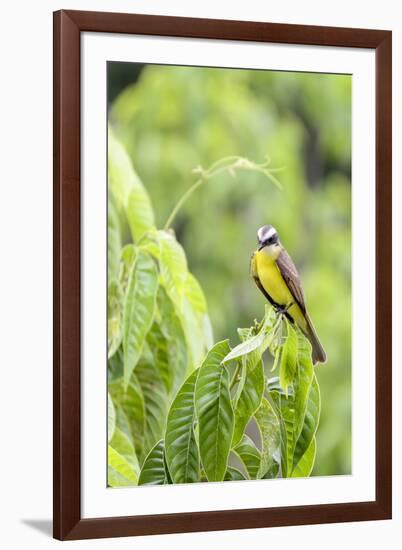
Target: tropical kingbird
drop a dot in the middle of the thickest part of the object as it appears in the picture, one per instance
(276, 276)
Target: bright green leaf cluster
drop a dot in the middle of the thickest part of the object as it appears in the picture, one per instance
(211, 423)
(158, 326)
(180, 409)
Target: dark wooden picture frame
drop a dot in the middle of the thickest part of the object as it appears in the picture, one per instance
(68, 523)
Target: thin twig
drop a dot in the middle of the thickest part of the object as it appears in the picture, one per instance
(227, 164)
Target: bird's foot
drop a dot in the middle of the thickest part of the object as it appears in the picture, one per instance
(282, 310)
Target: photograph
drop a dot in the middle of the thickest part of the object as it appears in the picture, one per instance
(229, 274)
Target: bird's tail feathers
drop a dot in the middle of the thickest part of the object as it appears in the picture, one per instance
(318, 352)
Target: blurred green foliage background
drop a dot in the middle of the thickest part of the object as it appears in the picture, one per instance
(172, 119)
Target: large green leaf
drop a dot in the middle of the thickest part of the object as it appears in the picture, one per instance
(131, 196)
(287, 369)
(185, 293)
(155, 403)
(214, 412)
(194, 294)
(140, 215)
(159, 348)
(292, 404)
(177, 356)
(113, 240)
(150, 243)
(123, 423)
(249, 400)
(132, 404)
(196, 322)
(310, 424)
(249, 455)
(139, 309)
(286, 414)
(122, 444)
(177, 351)
(114, 318)
(154, 471)
(182, 454)
(194, 331)
(120, 472)
(305, 465)
(173, 266)
(268, 424)
(302, 382)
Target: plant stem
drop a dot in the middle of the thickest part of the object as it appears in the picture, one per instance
(236, 374)
(226, 164)
(183, 199)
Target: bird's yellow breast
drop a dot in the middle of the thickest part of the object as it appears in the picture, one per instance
(274, 284)
(271, 279)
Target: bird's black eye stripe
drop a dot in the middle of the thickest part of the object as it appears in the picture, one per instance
(270, 240)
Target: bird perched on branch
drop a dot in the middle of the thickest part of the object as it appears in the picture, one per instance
(276, 276)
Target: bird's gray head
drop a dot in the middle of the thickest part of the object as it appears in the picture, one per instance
(267, 235)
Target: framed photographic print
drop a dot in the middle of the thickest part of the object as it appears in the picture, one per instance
(222, 268)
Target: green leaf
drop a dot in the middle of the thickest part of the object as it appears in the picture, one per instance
(115, 367)
(182, 454)
(139, 309)
(113, 240)
(122, 422)
(306, 463)
(214, 412)
(130, 194)
(159, 348)
(249, 455)
(120, 472)
(194, 331)
(233, 474)
(153, 471)
(298, 416)
(195, 321)
(288, 364)
(273, 385)
(273, 470)
(185, 293)
(173, 266)
(245, 333)
(302, 382)
(132, 404)
(249, 400)
(269, 427)
(194, 294)
(286, 413)
(122, 444)
(111, 418)
(238, 382)
(140, 214)
(114, 318)
(311, 421)
(255, 345)
(127, 260)
(177, 356)
(155, 403)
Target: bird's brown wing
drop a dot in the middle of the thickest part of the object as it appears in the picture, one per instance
(291, 277)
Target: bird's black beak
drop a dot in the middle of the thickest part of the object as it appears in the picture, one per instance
(261, 246)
